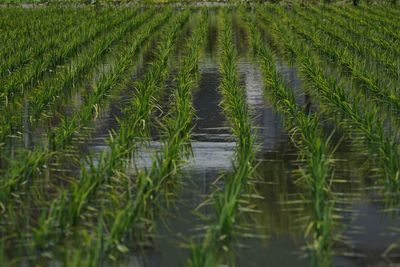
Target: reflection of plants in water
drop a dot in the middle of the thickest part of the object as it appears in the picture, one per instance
(395, 246)
(280, 204)
(314, 149)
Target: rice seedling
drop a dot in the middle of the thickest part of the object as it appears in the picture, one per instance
(29, 164)
(220, 233)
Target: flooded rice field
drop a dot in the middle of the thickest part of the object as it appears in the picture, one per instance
(229, 136)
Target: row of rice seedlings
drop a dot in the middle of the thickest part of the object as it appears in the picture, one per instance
(85, 62)
(56, 34)
(22, 169)
(369, 32)
(355, 114)
(16, 19)
(220, 234)
(370, 37)
(351, 26)
(63, 134)
(351, 65)
(14, 61)
(57, 87)
(357, 43)
(314, 149)
(382, 11)
(384, 23)
(68, 206)
(55, 40)
(51, 90)
(385, 27)
(26, 78)
(33, 25)
(150, 183)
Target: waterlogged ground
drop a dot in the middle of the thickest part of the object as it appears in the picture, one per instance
(274, 234)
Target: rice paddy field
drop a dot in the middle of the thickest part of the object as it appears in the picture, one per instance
(180, 135)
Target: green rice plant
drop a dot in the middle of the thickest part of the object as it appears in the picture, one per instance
(314, 148)
(220, 233)
(365, 118)
(88, 253)
(69, 205)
